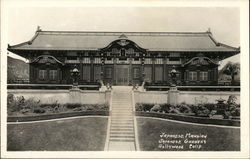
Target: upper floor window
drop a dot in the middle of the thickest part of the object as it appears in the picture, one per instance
(130, 51)
(114, 50)
(192, 76)
(122, 52)
(52, 74)
(136, 73)
(42, 74)
(203, 76)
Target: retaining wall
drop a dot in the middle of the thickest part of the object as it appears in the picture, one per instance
(189, 97)
(152, 97)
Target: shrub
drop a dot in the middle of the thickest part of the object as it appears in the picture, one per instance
(72, 106)
(210, 106)
(147, 107)
(185, 109)
(156, 108)
(174, 111)
(39, 111)
(139, 107)
(165, 107)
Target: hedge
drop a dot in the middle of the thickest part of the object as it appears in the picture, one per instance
(200, 120)
(55, 116)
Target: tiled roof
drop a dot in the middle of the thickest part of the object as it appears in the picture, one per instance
(152, 41)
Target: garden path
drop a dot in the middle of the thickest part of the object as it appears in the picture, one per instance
(121, 130)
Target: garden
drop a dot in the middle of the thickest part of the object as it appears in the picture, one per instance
(222, 109)
(19, 106)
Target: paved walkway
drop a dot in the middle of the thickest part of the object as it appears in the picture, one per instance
(121, 130)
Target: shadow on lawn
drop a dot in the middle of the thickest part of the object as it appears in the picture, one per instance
(84, 134)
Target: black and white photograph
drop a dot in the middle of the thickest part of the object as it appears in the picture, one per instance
(159, 80)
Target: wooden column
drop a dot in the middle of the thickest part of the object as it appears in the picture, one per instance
(164, 69)
(81, 66)
(114, 70)
(130, 73)
(153, 69)
(91, 69)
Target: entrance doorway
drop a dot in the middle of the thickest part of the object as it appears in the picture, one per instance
(122, 75)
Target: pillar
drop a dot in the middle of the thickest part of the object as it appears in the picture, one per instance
(75, 95)
(173, 96)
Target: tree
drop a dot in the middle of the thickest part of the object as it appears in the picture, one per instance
(231, 69)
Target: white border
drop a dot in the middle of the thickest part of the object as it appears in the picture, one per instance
(244, 16)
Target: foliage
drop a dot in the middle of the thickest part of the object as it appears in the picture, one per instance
(156, 108)
(19, 105)
(227, 110)
(231, 69)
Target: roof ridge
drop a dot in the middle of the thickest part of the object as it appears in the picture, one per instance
(228, 46)
(123, 32)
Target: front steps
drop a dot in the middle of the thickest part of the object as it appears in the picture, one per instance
(121, 131)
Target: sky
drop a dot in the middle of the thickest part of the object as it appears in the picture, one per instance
(224, 22)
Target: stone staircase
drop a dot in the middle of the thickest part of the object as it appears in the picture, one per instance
(121, 133)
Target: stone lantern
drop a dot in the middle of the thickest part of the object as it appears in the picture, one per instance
(173, 93)
(75, 75)
(173, 74)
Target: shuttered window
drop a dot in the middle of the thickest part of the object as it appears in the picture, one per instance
(52, 74)
(192, 76)
(42, 74)
(97, 70)
(203, 76)
(86, 73)
(158, 73)
(148, 73)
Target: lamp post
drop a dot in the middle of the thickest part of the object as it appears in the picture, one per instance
(75, 74)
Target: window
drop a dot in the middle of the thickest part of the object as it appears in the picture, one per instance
(192, 76)
(42, 74)
(158, 73)
(52, 74)
(122, 52)
(148, 73)
(108, 72)
(136, 73)
(86, 73)
(203, 76)
(97, 70)
(130, 51)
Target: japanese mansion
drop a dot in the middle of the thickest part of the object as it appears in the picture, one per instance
(123, 58)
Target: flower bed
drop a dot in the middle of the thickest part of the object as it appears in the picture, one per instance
(228, 110)
(19, 106)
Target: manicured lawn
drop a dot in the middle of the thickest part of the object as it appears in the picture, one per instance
(218, 138)
(82, 134)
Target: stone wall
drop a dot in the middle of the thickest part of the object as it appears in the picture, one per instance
(193, 97)
(64, 96)
(153, 97)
